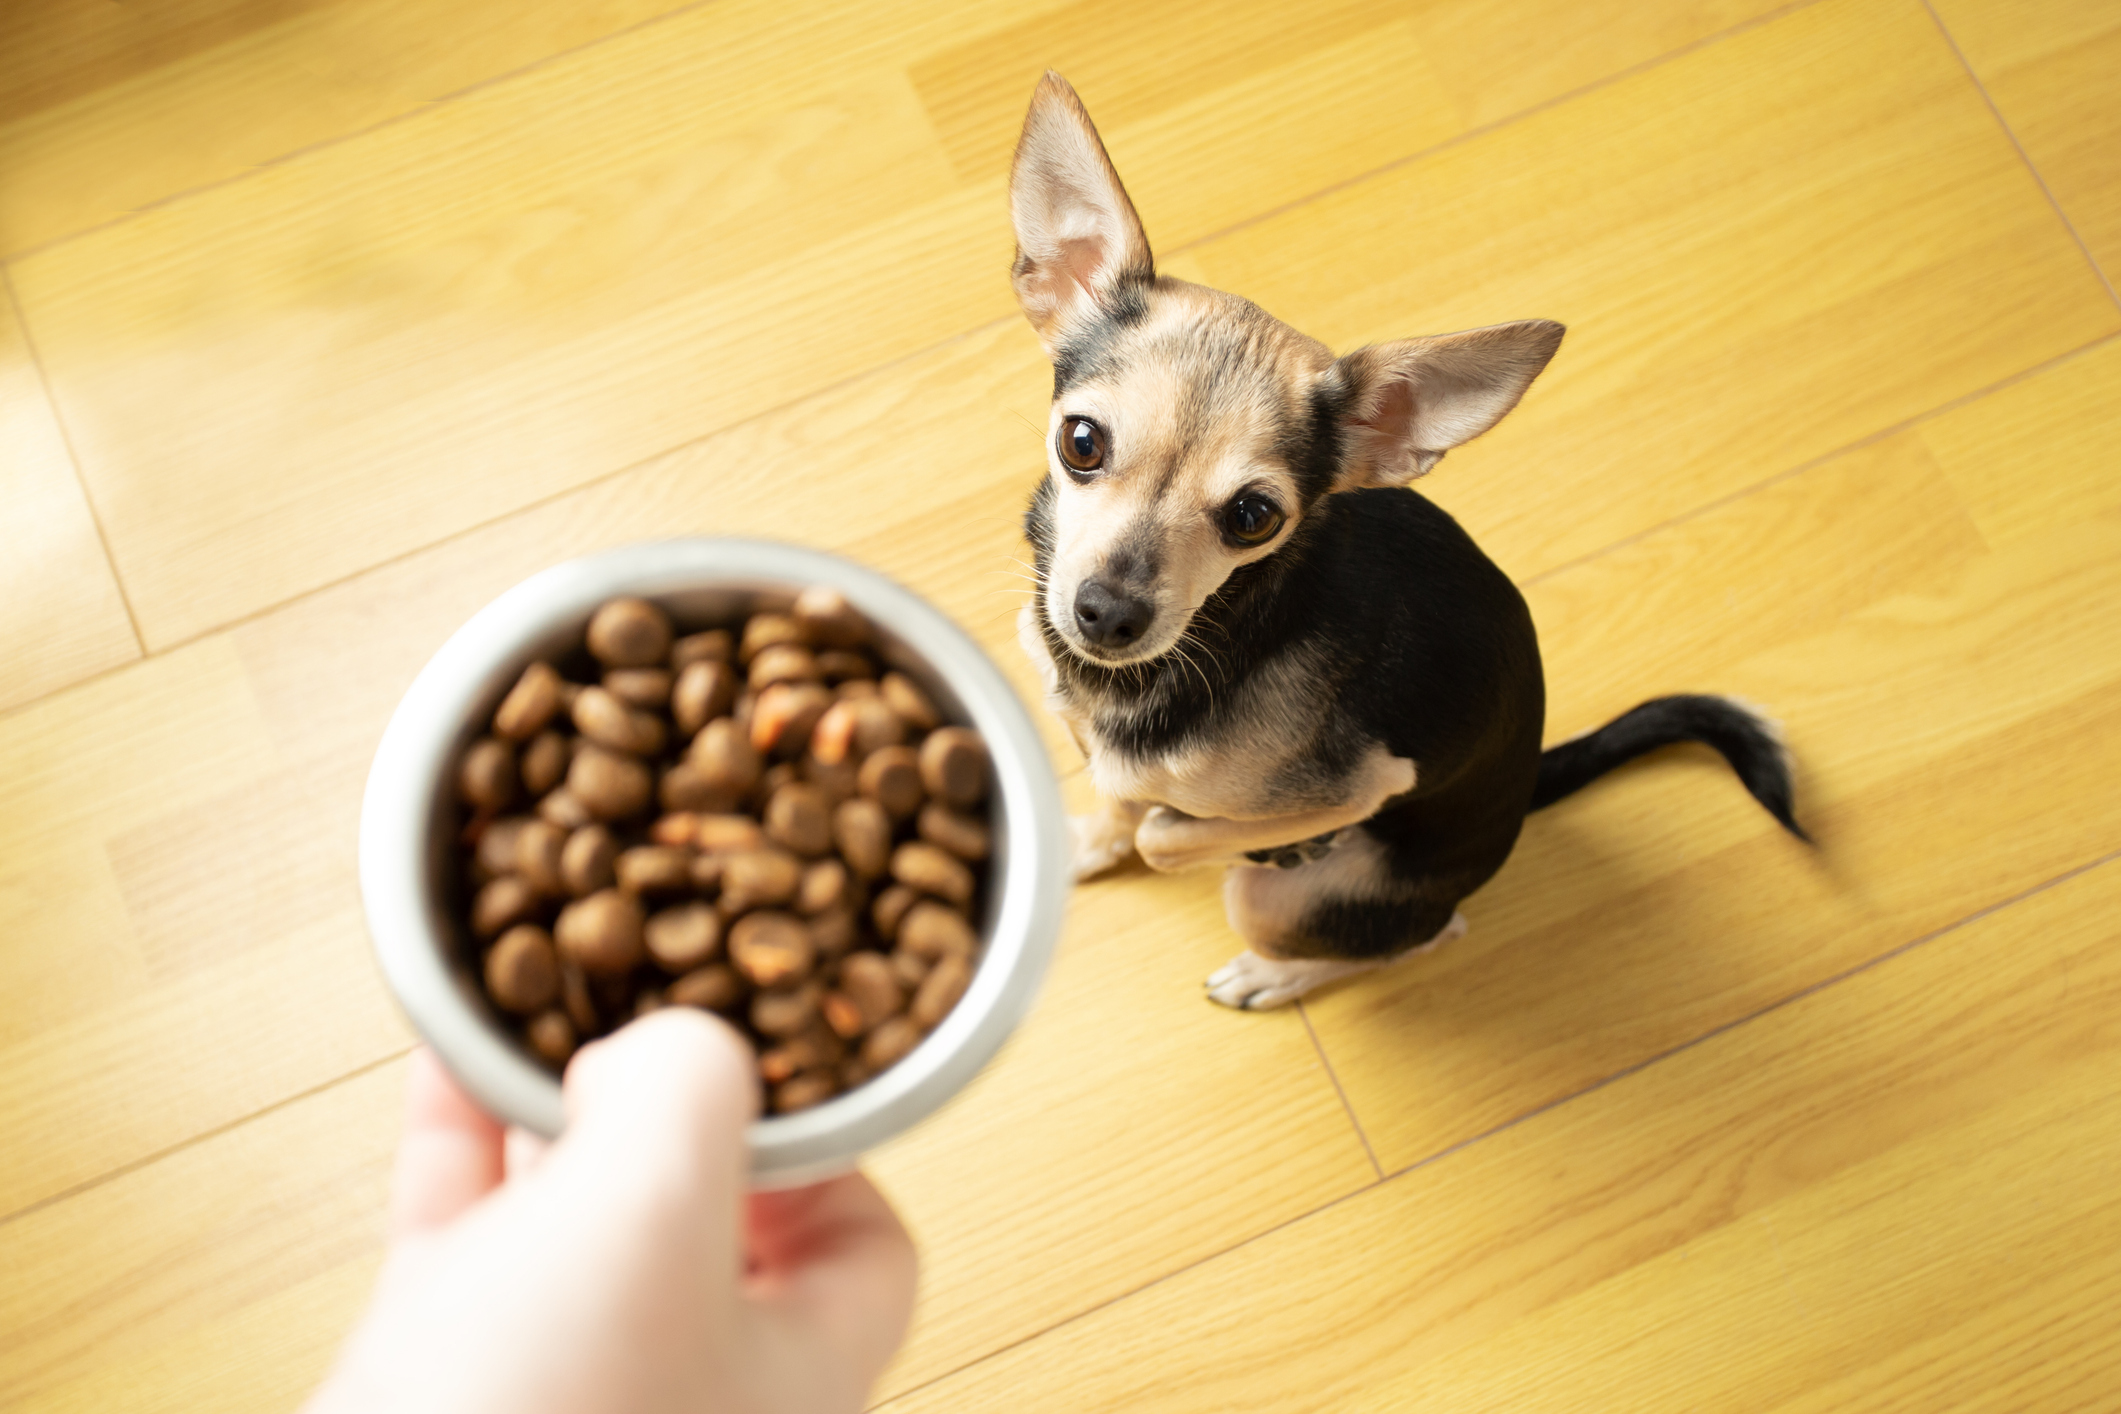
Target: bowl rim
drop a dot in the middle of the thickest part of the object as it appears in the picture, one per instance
(407, 791)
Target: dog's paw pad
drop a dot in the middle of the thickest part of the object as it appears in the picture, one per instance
(1249, 982)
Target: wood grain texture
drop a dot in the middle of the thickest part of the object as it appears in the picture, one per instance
(2050, 66)
(64, 618)
(1891, 1194)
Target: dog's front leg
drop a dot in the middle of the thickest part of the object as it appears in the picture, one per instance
(1169, 840)
(1104, 839)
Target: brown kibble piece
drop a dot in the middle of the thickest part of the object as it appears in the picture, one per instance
(724, 757)
(799, 818)
(586, 862)
(653, 869)
(763, 631)
(629, 633)
(686, 787)
(921, 865)
(728, 834)
(824, 885)
(679, 827)
(807, 1050)
(487, 776)
(772, 949)
(785, 716)
(931, 931)
(605, 719)
(858, 690)
(890, 909)
(828, 619)
(892, 778)
(645, 688)
(954, 766)
(862, 831)
(867, 979)
(782, 1014)
(890, 1043)
(495, 852)
(843, 1014)
(522, 972)
(876, 726)
(835, 783)
(551, 1036)
(759, 878)
(707, 873)
(805, 1091)
(909, 702)
(545, 762)
(539, 846)
(784, 773)
(941, 990)
(715, 987)
(502, 903)
(910, 968)
(602, 933)
(529, 705)
(683, 938)
(716, 645)
(833, 931)
(703, 692)
(783, 662)
(838, 665)
(961, 834)
(610, 785)
(581, 1008)
(832, 739)
(565, 809)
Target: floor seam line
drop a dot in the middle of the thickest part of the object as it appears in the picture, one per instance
(1347, 1107)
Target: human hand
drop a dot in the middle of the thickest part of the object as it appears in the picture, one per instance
(624, 1269)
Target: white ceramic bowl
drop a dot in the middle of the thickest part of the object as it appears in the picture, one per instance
(410, 814)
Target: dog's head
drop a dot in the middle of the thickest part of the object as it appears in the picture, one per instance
(1191, 431)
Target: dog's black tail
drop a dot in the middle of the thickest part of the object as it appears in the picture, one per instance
(1747, 740)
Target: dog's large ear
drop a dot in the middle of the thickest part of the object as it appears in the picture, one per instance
(1407, 403)
(1079, 245)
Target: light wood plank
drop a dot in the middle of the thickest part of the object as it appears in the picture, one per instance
(1765, 250)
(348, 355)
(1939, 701)
(1895, 1193)
(105, 109)
(2050, 66)
(61, 615)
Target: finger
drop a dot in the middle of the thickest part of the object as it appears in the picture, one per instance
(837, 1258)
(449, 1156)
(522, 1151)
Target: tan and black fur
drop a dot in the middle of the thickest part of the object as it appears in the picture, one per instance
(1275, 657)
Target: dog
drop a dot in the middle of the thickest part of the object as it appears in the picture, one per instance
(1274, 654)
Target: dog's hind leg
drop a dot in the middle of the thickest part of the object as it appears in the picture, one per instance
(1318, 922)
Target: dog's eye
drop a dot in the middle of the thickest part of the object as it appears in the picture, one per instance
(1251, 520)
(1082, 444)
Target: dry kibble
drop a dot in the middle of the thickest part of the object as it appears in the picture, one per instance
(798, 817)
(824, 885)
(545, 762)
(965, 836)
(838, 665)
(909, 702)
(911, 969)
(686, 787)
(785, 716)
(683, 938)
(759, 878)
(587, 860)
(890, 1043)
(862, 831)
(602, 933)
(604, 718)
(646, 688)
(804, 1091)
(703, 692)
(629, 633)
(609, 785)
(707, 873)
(772, 949)
(810, 1049)
(784, 1013)
(843, 1014)
(835, 783)
(763, 631)
(649, 1000)
(495, 850)
(502, 903)
(539, 847)
(551, 1035)
(876, 726)
(858, 690)
(867, 980)
(565, 809)
(832, 739)
(920, 865)
(828, 619)
(487, 776)
(954, 766)
(724, 757)
(716, 645)
(892, 778)
(529, 705)
(785, 773)
(581, 1008)
(890, 909)
(783, 662)
(728, 834)
(942, 990)
(931, 931)
(680, 827)
(653, 869)
(522, 971)
(715, 987)
(834, 931)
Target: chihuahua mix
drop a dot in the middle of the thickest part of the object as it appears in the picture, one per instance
(1274, 655)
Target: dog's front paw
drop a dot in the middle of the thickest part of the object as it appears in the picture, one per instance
(1250, 982)
(1098, 844)
(1164, 840)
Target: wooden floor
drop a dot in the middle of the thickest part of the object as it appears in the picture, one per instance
(326, 320)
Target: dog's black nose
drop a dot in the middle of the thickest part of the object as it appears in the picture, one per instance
(1110, 620)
